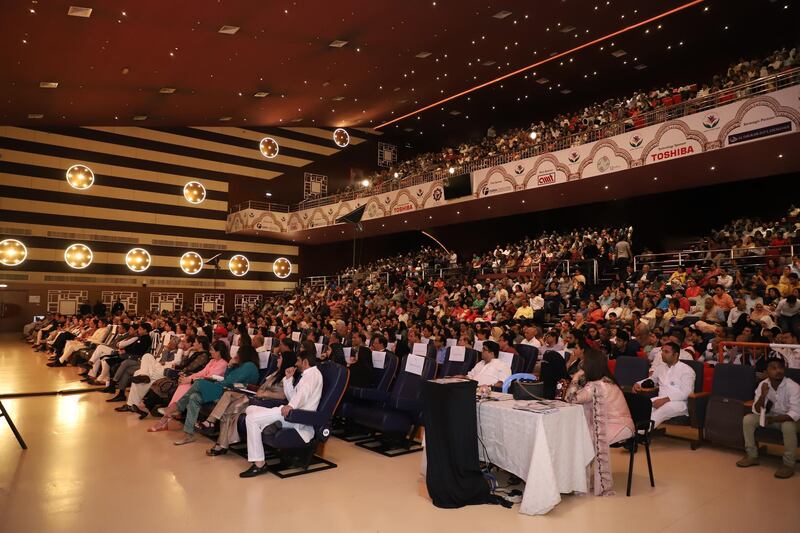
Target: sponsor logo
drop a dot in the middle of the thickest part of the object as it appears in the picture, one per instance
(420, 192)
(710, 121)
(485, 191)
(305, 215)
(635, 141)
(603, 164)
(437, 194)
(546, 179)
(775, 129)
(408, 206)
(574, 157)
(672, 152)
(387, 200)
(519, 170)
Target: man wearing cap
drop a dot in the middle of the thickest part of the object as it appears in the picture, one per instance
(221, 334)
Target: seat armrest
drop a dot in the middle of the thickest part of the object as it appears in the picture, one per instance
(696, 395)
(301, 416)
(698, 403)
(749, 403)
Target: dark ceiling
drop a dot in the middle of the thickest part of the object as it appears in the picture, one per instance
(111, 66)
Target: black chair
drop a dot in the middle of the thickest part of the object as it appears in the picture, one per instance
(529, 354)
(394, 420)
(458, 368)
(292, 455)
(629, 370)
(693, 419)
(722, 411)
(365, 396)
(773, 435)
(641, 409)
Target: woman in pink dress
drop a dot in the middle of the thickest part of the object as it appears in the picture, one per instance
(215, 367)
(606, 413)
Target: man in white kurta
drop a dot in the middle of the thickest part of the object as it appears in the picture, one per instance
(305, 396)
(490, 370)
(96, 339)
(675, 382)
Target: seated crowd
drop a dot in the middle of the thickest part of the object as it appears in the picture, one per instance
(171, 364)
(586, 125)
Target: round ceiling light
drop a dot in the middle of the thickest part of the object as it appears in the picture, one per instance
(191, 263)
(194, 192)
(138, 259)
(78, 256)
(269, 147)
(80, 177)
(282, 267)
(12, 252)
(341, 137)
(239, 265)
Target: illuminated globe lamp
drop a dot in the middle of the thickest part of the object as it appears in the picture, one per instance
(12, 252)
(194, 192)
(80, 177)
(78, 256)
(239, 265)
(191, 263)
(341, 137)
(269, 147)
(282, 267)
(138, 259)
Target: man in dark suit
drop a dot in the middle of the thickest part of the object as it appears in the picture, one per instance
(130, 361)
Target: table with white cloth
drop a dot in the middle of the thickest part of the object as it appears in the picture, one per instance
(550, 451)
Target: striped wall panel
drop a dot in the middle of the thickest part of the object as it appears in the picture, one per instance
(137, 201)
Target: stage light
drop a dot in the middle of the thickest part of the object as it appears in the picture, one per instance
(78, 256)
(191, 263)
(365, 183)
(282, 267)
(80, 177)
(341, 137)
(533, 133)
(451, 170)
(269, 147)
(138, 259)
(194, 192)
(12, 252)
(396, 175)
(239, 265)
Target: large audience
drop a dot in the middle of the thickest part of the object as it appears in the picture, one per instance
(583, 125)
(169, 364)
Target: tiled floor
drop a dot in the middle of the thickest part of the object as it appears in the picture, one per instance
(90, 469)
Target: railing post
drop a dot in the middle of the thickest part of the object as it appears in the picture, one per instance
(680, 259)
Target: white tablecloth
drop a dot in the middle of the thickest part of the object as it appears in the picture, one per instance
(549, 451)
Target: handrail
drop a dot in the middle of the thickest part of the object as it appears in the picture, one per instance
(681, 257)
(628, 124)
(753, 347)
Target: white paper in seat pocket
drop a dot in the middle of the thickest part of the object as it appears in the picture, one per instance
(378, 359)
(457, 353)
(415, 364)
(451, 342)
(506, 357)
(478, 346)
(348, 351)
(420, 348)
(296, 336)
(319, 348)
(263, 359)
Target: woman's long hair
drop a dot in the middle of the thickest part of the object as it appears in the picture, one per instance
(288, 359)
(222, 348)
(595, 366)
(247, 354)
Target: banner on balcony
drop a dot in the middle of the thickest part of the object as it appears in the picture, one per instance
(775, 113)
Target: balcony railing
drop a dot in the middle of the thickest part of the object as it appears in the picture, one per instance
(763, 85)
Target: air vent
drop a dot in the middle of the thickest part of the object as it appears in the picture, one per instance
(91, 279)
(423, 55)
(228, 30)
(338, 43)
(640, 66)
(501, 14)
(455, 112)
(15, 231)
(48, 84)
(75, 11)
(408, 129)
(167, 90)
(261, 94)
(91, 237)
(488, 63)
(185, 283)
(542, 81)
(567, 29)
(187, 244)
(566, 91)
(337, 98)
(225, 119)
(619, 53)
(140, 117)
(7, 276)
(35, 115)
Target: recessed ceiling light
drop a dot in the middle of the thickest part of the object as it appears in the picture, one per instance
(338, 43)
(713, 168)
(261, 94)
(780, 156)
(501, 14)
(166, 90)
(423, 55)
(35, 115)
(655, 178)
(228, 30)
(140, 117)
(48, 84)
(606, 187)
(75, 11)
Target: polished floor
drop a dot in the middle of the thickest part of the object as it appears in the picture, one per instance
(90, 469)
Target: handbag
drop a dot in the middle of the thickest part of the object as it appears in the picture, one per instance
(171, 373)
(523, 389)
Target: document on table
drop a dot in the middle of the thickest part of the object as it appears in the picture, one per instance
(535, 406)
